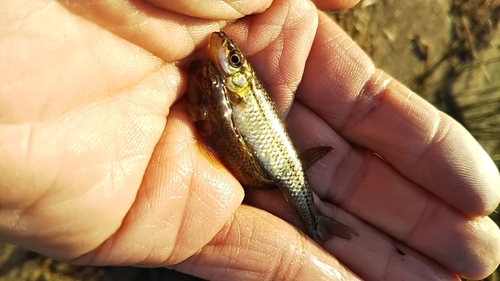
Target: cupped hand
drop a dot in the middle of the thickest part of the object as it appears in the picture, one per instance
(100, 164)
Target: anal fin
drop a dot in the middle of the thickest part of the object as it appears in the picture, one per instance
(312, 155)
(328, 228)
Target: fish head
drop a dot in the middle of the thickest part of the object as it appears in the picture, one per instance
(231, 63)
(205, 89)
(207, 99)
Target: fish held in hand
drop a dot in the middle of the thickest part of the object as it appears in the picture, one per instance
(241, 114)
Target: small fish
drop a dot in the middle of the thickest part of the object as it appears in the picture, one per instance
(210, 110)
(245, 116)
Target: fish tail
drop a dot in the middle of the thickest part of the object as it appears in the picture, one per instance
(328, 228)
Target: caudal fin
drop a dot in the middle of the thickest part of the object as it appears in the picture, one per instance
(328, 228)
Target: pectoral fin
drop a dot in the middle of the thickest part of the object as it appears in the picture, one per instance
(235, 99)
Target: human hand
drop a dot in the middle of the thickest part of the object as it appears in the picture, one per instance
(92, 172)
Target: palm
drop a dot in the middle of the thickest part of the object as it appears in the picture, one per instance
(107, 144)
(92, 128)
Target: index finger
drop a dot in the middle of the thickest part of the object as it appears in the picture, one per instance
(368, 108)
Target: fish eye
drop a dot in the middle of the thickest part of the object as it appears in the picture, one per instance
(207, 83)
(235, 59)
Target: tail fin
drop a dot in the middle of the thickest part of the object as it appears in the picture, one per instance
(328, 228)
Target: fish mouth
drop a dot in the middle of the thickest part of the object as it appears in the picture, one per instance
(218, 50)
(216, 40)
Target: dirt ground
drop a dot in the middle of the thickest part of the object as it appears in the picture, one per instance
(445, 50)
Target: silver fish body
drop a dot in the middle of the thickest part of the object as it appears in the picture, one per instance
(255, 119)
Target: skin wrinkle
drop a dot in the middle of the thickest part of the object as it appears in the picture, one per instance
(191, 36)
(360, 100)
(276, 269)
(338, 44)
(263, 49)
(350, 46)
(129, 257)
(241, 13)
(182, 227)
(223, 242)
(408, 98)
(101, 253)
(434, 129)
(90, 257)
(429, 210)
(333, 194)
(281, 101)
(289, 265)
(290, 84)
(387, 264)
(140, 80)
(47, 5)
(28, 143)
(434, 137)
(31, 208)
(138, 244)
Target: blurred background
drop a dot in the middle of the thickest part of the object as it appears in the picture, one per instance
(447, 51)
